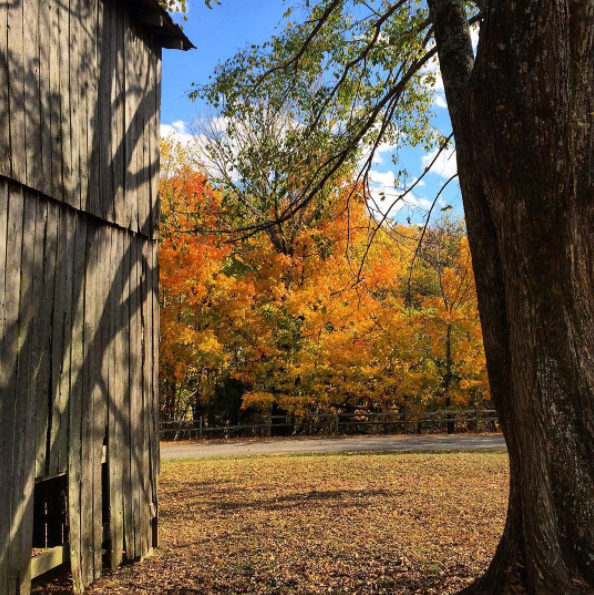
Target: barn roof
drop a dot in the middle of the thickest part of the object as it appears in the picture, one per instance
(156, 18)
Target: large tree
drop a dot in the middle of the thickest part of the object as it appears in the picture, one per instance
(521, 109)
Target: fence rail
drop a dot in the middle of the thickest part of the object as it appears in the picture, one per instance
(468, 420)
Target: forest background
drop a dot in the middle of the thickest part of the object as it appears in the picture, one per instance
(317, 314)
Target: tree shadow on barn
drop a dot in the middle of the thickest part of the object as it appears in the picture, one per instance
(78, 283)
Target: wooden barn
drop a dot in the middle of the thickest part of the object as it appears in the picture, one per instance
(79, 314)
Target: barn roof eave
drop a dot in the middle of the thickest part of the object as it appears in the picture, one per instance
(156, 18)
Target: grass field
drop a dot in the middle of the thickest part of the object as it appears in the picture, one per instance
(365, 523)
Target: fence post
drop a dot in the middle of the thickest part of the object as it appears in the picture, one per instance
(201, 427)
(476, 419)
(269, 424)
(336, 422)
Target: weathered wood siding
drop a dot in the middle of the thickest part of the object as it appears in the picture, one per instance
(79, 159)
(79, 111)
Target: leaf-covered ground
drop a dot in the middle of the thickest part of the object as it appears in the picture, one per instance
(365, 523)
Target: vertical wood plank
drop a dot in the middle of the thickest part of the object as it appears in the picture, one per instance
(100, 390)
(32, 93)
(129, 122)
(75, 461)
(67, 223)
(92, 179)
(65, 102)
(153, 135)
(118, 122)
(55, 50)
(157, 150)
(78, 69)
(4, 97)
(125, 409)
(136, 395)
(45, 102)
(156, 343)
(116, 400)
(57, 346)
(16, 89)
(150, 365)
(29, 444)
(9, 351)
(88, 80)
(144, 142)
(102, 163)
(45, 345)
(24, 456)
(146, 396)
(4, 385)
(87, 434)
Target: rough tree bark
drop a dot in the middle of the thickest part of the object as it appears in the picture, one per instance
(523, 119)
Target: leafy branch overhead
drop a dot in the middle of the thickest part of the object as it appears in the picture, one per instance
(357, 75)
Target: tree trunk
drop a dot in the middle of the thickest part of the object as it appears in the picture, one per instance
(523, 120)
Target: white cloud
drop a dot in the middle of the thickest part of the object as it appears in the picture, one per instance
(386, 197)
(445, 165)
(440, 101)
(178, 130)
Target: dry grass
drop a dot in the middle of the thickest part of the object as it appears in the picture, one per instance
(364, 523)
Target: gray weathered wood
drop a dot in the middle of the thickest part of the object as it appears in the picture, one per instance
(4, 385)
(115, 446)
(78, 70)
(16, 86)
(45, 351)
(135, 394)
(54, 50)
(126, 404)
(32, 93)
(65, 121)
(49, 560)
(75, 462)
(4, 98)
(87, 450)
(79, 127)
(9, 351)
(66, 255)
(45, 99)
(21, 543)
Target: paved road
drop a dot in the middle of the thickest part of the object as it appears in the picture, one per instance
(358, 444)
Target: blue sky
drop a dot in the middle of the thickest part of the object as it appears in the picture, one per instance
(220, 32)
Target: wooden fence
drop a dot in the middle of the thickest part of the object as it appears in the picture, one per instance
(468, 420)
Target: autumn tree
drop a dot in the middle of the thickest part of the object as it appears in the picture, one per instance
(308, 329)
(521, 112)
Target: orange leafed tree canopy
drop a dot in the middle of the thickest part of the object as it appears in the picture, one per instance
(320, 321)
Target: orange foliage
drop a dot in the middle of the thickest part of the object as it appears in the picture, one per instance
(299, 329)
